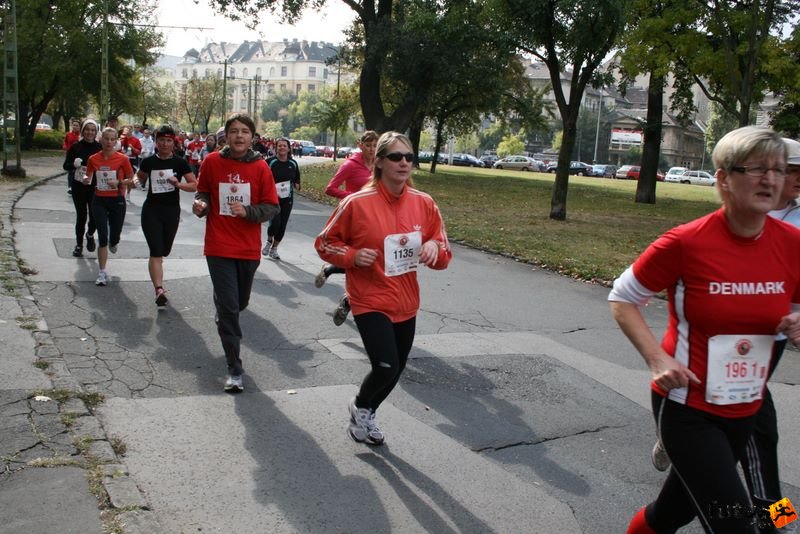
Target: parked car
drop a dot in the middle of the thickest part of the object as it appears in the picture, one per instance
(344, 151)
(521, 163)
(697, 178)
(575, 167)
(604, 170)
(489, 160)
(628, 172)
(427, 157)
(324, 151)
(674, 173)
(579, 167)
(466, 160)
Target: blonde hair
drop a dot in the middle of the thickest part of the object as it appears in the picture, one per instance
(737, 145)
(382, 148)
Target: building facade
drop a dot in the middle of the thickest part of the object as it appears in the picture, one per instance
(254, 70)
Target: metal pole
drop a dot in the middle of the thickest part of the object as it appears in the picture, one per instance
(597, 130)
(224, 106)
(105, 96)
(338, 82)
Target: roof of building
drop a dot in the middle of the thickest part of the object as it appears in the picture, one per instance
(262, 51)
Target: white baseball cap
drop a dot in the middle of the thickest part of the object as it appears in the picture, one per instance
(792, 151)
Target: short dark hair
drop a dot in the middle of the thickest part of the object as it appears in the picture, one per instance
(244, 119)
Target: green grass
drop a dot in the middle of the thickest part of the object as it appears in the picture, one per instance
(508, 212)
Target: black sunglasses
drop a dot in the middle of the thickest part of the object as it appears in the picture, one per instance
(397, 156)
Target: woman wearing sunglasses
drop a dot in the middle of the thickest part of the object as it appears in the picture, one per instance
(380, 235)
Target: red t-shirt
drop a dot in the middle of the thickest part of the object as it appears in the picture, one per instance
(70, 139)
(117, 167)
(193, 151)
(720, 284)
(252, 183)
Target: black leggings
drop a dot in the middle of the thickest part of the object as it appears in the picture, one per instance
(160, 224)
(703, 482)
(760, 463)
(109, 216)
(387, 345)
(277, 226)
(82, 200)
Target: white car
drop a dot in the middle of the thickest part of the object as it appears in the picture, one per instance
(674, 173)
(697, 178)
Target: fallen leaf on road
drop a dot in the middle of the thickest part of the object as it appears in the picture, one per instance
(42, 398)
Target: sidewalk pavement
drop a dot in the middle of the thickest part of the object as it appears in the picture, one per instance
(59, 471)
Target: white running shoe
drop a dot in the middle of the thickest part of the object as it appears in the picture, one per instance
(362, 427)
(266, 250)
(273, 253)
(102, 279)
(659, 456)
(234, 384)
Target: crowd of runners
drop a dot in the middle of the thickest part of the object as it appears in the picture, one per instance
(732, 279)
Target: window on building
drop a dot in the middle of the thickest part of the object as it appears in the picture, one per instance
(312, 72)
(283, 87)
(219, 73)
(272, 71)
(284, 71)
(194, 73)
(185, 73)
(312, 88)
(271, 88)
(324, 74)
(243, 104)
(258, 72)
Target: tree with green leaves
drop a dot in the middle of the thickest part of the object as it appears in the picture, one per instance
(200, 99)
(786, 117)
(59, 53)
(158, 101)
(734, 49)
(373, 39)
(569, 36)
(511, 144)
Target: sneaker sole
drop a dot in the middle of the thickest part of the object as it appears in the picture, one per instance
(233, 389)
(320, 280)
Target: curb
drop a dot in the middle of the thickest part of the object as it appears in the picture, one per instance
(123, 498)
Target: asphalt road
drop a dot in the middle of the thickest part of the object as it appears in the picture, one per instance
(522, 409)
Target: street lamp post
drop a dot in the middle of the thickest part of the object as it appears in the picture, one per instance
(597, 129)
(338, 84)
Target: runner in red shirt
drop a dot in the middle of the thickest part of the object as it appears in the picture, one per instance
(381, 235)
(236, 191)
(194, 152)
(733, 282)
(111, 174)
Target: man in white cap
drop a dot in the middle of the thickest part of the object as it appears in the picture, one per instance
(760, 463)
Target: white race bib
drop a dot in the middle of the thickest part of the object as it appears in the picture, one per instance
(401, 253)
(737, 368)
(231, 193)
(103, 177)
(284, 189)
(159, 181)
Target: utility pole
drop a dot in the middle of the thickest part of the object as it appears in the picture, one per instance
(597, 130)
(11, 93)
(338, 83)
(105, 97)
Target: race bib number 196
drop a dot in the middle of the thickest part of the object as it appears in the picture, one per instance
(737, 368)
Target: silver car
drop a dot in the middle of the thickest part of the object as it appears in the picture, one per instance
(520, 163)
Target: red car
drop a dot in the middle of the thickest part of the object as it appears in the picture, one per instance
(631, 172)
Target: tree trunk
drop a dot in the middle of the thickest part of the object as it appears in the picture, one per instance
(414, 134)
(558, 202)
(646, 188)
(438, 146)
